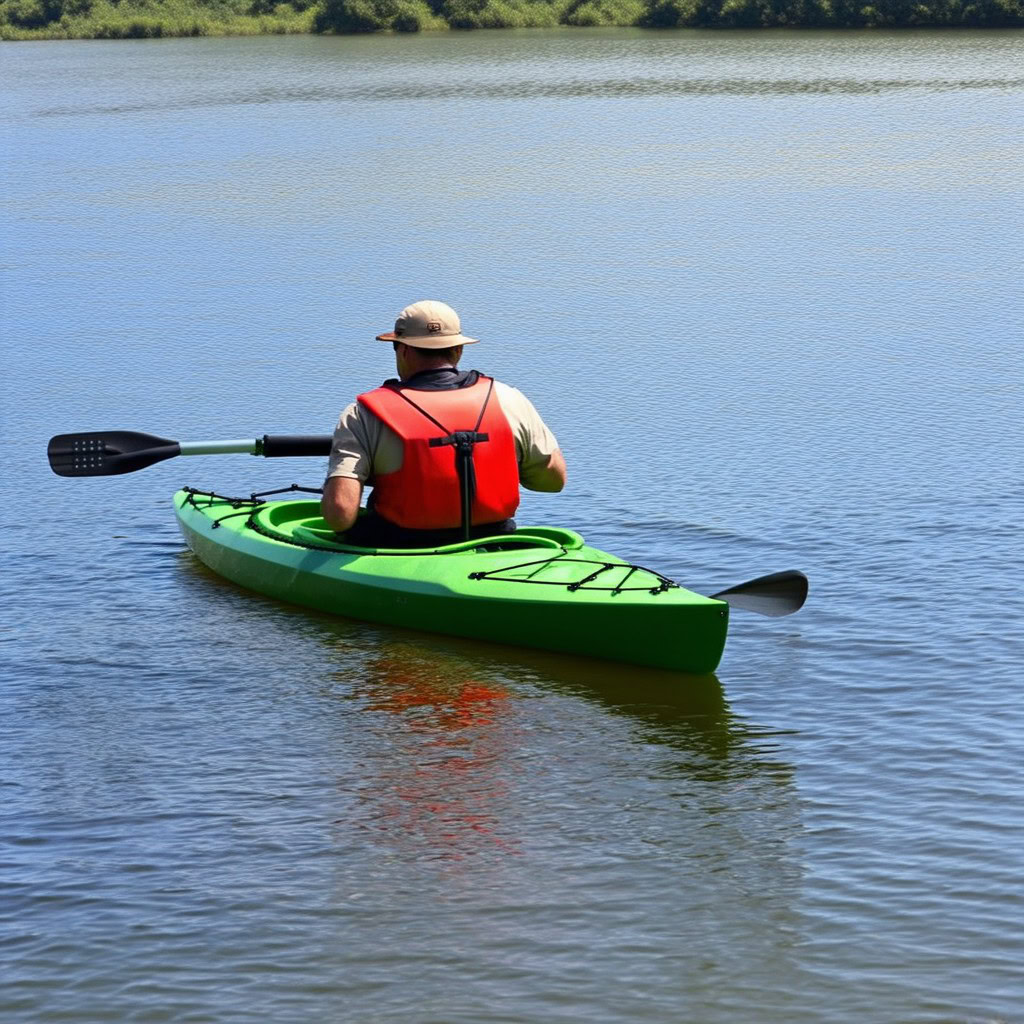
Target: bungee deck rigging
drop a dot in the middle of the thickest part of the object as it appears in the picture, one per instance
(664, 583)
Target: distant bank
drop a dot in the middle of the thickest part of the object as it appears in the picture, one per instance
(141, 19)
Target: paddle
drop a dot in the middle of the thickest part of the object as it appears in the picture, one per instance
(778, 594)
(109, 452)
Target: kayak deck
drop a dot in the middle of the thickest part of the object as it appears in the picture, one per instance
(537, 587)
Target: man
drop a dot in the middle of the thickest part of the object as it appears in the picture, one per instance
(445, 450)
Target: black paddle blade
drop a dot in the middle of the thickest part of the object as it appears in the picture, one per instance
(107, 452)
(778, 594)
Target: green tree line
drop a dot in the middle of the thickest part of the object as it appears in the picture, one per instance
(115, 19)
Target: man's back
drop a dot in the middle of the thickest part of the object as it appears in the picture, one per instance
(419, 442)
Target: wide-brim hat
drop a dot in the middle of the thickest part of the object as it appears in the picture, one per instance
(428, 324)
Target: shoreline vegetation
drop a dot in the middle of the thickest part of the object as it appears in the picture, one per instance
(148, 19)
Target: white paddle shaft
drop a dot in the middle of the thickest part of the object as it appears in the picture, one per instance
(218, 447)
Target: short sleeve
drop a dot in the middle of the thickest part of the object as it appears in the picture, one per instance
(351, 447)
(535, 443)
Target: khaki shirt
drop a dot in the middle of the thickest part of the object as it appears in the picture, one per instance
(363, 446)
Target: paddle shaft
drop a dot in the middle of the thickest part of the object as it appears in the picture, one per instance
(271, 446)
(240, 447)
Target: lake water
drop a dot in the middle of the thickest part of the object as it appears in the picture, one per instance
(765, 288)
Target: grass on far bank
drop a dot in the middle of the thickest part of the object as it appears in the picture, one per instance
(149, 19)
(135, 19)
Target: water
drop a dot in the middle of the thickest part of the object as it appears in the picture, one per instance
(764, 287)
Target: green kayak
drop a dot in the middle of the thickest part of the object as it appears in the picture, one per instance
(539, 587)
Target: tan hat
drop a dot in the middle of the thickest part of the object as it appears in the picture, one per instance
(428, 324)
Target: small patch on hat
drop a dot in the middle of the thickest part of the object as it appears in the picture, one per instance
(434, 327)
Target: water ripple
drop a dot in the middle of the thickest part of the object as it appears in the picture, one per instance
(545, 89)
(765, 287)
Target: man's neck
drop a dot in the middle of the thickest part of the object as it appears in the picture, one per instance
(438, 378)
(428, 369)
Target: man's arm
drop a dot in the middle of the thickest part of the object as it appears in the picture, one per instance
(550, 477)
(347, 469)
(541, 463)
(340, 503)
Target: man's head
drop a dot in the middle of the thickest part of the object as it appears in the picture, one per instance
(428, 325)
(427, 334)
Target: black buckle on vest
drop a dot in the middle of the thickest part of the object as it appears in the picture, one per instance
(463, 441)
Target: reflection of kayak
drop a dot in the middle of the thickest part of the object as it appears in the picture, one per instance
(538, 587)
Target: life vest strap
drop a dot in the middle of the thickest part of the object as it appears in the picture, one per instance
(463, 440)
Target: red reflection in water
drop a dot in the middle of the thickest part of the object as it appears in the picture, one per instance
(442, 775)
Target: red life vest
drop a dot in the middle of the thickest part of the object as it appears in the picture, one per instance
(425, 493)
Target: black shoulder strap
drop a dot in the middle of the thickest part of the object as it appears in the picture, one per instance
(401, 392)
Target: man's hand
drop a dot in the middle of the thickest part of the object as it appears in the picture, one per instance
(340, 504)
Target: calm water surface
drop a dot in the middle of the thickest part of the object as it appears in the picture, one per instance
(765, 288)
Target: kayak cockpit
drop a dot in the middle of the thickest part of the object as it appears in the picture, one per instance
(300, 523)
(316, 531)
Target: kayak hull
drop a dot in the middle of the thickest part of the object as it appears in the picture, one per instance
(539, 587)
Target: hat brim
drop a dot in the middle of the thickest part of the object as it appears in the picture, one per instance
(429, 340)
